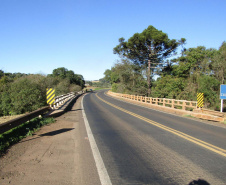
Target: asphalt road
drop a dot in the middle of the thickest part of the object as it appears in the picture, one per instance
(143, 146)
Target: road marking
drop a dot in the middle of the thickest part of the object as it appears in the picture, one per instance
(102, 171)
(176, 132)
(140, 105)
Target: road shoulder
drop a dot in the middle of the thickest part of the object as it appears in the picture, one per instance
(59, 153)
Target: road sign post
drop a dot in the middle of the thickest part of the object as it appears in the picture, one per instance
(200, 100)
(222, 95)
(50, 96)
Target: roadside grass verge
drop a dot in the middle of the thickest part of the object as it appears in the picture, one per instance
(14, 135)
(96, 88)
(188, 115)
(100, 88)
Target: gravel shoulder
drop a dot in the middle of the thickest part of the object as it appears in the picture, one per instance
(58, 153)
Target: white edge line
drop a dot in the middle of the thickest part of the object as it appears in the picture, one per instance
(102, 171)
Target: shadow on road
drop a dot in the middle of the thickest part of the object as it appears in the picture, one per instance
(75, 110)
(53, 133)
(71, 104)
(56, 132)
(199, 182)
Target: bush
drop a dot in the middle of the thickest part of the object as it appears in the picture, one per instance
(63, 87)
(21, 93)
(168, 87)
(25, 96)
(75, 88)
(210, 86)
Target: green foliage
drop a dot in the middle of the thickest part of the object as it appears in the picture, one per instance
(127, 78)
(1, 73)
(119, 88)
(151, 45)
(219, 64)
(25, 96)
(6, 105)
(107, 76)
(75, 88)
(196, 70)
(16, 134)
(195, 61)
(103, 83)
(168, 87)
(210, 87)
(61, 72)
(21, 93)
(114, 77)
(63, 87)
(64, 73)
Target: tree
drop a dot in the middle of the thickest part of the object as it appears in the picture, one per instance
(1, 73)
(198, 59)
(125, 77)
(64, 73)
(168, 87)
(61, 72)
(219, 64)
(150, 46)
(71, 76)
(107, 76)
(25, 95)
(63, 87)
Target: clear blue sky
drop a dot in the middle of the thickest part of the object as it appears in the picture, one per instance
(37, 36)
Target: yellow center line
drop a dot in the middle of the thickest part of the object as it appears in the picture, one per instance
(176, 132)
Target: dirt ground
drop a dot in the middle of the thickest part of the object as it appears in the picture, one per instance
(4, 119)
(58, 154)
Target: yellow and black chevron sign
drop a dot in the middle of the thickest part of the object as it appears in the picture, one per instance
(200, 100)
(50, 95)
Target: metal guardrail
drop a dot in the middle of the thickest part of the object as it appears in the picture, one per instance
(18, 121)
(59, 100)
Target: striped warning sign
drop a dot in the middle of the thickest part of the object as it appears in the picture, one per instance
(50, 95)
(200, 100)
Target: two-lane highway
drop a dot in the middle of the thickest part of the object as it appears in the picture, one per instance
(143, 146)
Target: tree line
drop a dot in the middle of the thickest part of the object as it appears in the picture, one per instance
(153, 65)
(102, 83)
(21, 93)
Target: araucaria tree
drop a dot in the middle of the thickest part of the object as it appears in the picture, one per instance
(151, 46)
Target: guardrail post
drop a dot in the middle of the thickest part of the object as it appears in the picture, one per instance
(172, 105)
(183, 105)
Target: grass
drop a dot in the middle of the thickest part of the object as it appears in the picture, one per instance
(100, 88)
(14, 135)
(188, 115)
(96, 88)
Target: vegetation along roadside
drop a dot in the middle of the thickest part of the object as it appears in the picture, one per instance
(154, 65)
(14, 135)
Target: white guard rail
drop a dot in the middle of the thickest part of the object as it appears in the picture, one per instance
(60, 100)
